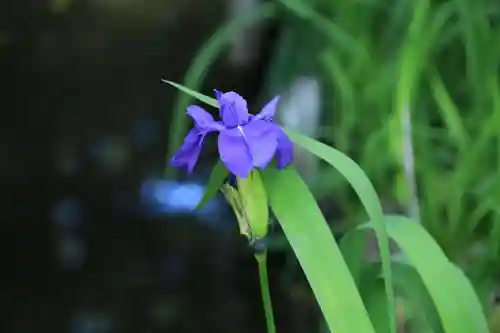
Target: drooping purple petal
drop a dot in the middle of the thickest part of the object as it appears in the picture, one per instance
(284, 152)
(232, 108)
(187, 155)
(235, 153)
(262, 139)
(268, 111)
(203, 120)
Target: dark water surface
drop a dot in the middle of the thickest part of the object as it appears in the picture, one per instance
(96, 241)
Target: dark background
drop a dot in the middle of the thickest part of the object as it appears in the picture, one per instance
(96, 239)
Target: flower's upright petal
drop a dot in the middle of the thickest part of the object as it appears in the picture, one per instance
(262, 138)
(234, 152)
(187, 156)
(218, 94)
(203, 120)
(268, 111)
(284, 153)
(233, 109)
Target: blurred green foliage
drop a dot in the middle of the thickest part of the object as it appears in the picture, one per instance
(431, 67)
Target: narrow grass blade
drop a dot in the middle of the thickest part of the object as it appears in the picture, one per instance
(411, 60)
(335, 32)
(449, 112)
(204, 98)
(217, 177)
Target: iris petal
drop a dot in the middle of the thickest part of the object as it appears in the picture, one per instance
(245, 141)
(269, 110)
(234, 152)
(218, 94)
(187, 156)
(284, 153)
(262, 139)
(233, 109)
(203, 120)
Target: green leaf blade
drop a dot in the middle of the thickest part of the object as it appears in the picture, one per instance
(366, 193)
(205, 99)
(316, 249)
(454, 298)
(217, 177)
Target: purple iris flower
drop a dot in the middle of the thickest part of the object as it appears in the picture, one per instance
(245, 141)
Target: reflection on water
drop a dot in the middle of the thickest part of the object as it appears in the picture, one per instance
(170, 197)
(89, 322)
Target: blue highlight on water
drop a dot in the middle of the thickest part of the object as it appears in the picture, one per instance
(167, 201)
(161, 197)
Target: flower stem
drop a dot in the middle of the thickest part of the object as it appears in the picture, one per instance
(264, 288)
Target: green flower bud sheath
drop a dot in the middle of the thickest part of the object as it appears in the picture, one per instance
(249, 202)
(254, 199)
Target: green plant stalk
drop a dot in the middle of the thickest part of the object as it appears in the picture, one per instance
(409, 69)
(264, 288)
